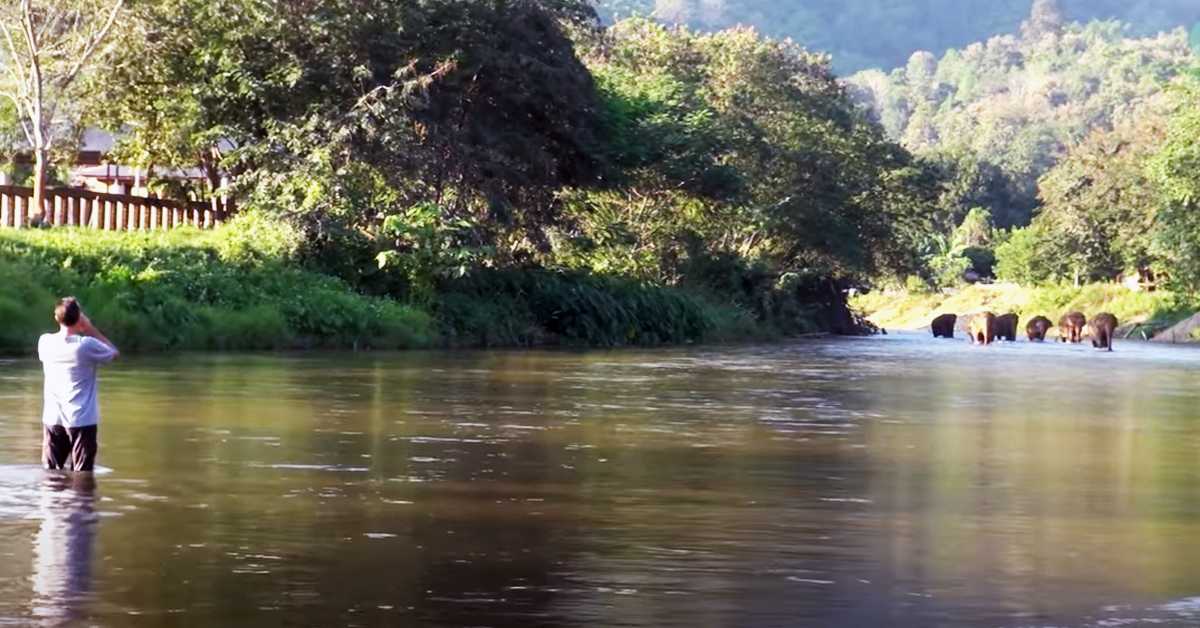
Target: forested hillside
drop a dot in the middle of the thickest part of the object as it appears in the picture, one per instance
(1013, 104)
(863, 34)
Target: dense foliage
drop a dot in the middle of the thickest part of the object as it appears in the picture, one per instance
(193, 290)
(1014, 103)
(240, 288)
(732, 146)
(515, 172)
(423, 147)
(1122, 203)
(897, 27)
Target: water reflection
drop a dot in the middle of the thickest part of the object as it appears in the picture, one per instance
(62, 550)
(880, 482)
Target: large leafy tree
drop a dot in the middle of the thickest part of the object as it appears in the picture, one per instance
(221, 72)
(1099, 204)
(779, 165)
(1176, 170)
(481, 108)
(47, 49)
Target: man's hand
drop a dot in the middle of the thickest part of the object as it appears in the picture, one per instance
(85, 327)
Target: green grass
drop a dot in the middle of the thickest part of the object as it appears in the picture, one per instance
(908, 310)
(233, 288)
(241, 287)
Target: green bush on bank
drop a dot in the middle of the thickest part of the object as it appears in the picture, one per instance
(247, 286)
(232, 288)
(535, 306)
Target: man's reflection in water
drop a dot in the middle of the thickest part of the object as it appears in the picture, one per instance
(62, 563)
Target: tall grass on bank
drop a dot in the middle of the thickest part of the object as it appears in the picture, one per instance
(914, 310)
(233, 288)
(242, 287)
(533, 307)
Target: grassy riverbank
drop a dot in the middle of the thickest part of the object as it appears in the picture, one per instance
(242, 288)
(230, 289)
(906, 310)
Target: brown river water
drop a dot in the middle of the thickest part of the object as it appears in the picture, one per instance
(891, 481)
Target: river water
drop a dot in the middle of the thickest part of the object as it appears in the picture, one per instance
(892, 481)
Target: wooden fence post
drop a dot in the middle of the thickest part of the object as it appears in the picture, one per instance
(70, 207)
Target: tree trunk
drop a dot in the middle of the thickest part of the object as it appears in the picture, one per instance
(37, 213)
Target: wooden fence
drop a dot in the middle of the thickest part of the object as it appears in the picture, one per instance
(76, 207)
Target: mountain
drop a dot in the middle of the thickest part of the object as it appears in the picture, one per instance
(1017, 102)
(862, 34)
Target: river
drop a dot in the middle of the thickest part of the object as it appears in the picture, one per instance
(890, 481)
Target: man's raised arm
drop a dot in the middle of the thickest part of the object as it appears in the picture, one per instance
(86, 326)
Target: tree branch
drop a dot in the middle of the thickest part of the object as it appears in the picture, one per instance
(92, 45)
(21, 118)
(15, 65)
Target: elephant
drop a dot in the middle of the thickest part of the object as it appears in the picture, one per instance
(1101, 328)
(943, 326)
(1070, 327)
(1006, 327)
(982, 328)
(1037, 327)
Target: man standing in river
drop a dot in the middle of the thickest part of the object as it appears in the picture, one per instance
(71, 414)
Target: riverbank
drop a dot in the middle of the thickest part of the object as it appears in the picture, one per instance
(242, 287)
(1141, 313)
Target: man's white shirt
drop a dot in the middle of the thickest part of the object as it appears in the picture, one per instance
(69, 363)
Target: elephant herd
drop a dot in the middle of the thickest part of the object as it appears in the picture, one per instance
(985, 328)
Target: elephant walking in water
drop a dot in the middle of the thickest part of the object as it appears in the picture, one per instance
(982, 328)
(1037, 327)
(1071, 326)
(1101, 329)
(943, 326)
(1006, 327)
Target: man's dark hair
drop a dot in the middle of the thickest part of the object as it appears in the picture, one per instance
(67, 311)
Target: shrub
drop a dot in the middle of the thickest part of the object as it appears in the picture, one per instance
(535, 306)
(1024, 258)
(232, 288)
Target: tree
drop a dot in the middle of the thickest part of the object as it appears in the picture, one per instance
(752, 147)
(480, 108)
(1175, 169)
(48, 47)
(1046, 18)
(1099, 204)
(1017, 104)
